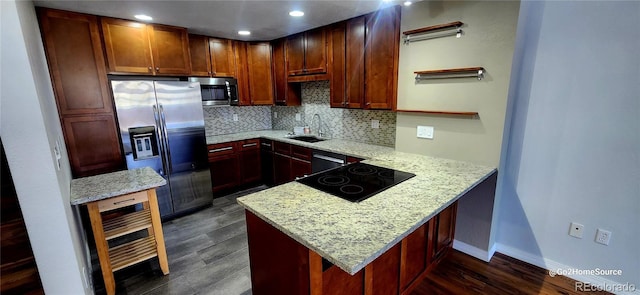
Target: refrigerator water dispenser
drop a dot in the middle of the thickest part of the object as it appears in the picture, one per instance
(143, 142)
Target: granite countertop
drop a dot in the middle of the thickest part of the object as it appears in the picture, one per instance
(104, 186)
(352, 235)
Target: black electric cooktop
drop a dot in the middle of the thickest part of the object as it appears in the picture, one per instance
(355, 182)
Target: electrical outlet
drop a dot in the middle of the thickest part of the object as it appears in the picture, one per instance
(56, 152)
(275, 115)
(235, 117)
(425, 132)
(298, 117)
(375, 124)
(603, 236)
(576, 230)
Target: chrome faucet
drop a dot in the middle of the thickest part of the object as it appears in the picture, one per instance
(320, 132)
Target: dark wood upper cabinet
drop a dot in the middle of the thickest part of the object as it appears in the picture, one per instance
(295, 47)
(79, 77)
(381, 56)
(76, 62)
(255, 75)
(212, 57)
(136, 48)
(287, 94)
(222, 57)
(306, 53)
(259, 73)
(200, 58)
(170, 48)
(355, 62)
(336, 34)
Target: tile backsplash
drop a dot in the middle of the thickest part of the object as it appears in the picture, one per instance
(219, 120)
(349, 124)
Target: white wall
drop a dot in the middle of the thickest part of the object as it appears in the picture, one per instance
(572, 152)
(30, 128)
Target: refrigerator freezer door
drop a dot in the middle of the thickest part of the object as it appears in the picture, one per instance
(180, 105)
(135, 101)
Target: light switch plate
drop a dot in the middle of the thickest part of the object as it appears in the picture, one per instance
(425, 132)
(576, 230)
(235, 117)
(298, 117)
(375, 124)
(275, 115)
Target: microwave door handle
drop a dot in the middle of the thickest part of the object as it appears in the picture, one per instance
(159, 134)
(166, 138)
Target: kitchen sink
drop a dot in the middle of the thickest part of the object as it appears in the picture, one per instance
(307, 138)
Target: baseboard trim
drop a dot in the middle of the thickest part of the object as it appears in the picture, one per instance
(549, 264)
(473, 250)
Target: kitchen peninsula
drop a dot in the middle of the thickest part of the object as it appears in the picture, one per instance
(304, 241)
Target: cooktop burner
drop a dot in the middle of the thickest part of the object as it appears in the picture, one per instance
(355, 182)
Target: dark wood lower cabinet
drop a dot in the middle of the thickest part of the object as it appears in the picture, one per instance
(281, 168)
(300, 168)
(225, 172)
(280, 265)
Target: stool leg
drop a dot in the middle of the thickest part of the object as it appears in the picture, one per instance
(101, 247)
(157, 231)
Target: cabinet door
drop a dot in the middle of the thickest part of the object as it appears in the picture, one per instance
(337, 63)
(445, 229)
(295, 54)
(413, 259)
(241, 73)
(200, 59)
(225, 172)
(93, 144)
(281, 168)
(74, 54)
(285, 93)
(315, 54)
(382, 49)
(299, 168)
(250, 170)
(355, 62)
(259, 73)
(127, 46)
(266, 159)
(170, 49)
(222, 57)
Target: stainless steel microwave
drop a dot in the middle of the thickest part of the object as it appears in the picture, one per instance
(218, 91)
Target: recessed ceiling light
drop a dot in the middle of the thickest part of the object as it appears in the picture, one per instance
(296, 13)
(244, 33)
(143, 17)
(407, 3)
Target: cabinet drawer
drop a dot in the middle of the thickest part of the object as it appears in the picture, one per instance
(282, 148)
(249, 144)
(301, 153)
(220, 149)
(122, 201)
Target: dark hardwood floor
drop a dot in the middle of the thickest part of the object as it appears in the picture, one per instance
(208, 254)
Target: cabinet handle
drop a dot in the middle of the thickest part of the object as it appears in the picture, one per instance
(221, 149)
(368, 103)
(150, 69)
(124, 201)
(157, 69)
(249, 144)
(266, 144)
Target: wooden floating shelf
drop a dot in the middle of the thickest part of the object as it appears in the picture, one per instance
(422, 32)
(470, 114)
(455, 24)
(477, 72)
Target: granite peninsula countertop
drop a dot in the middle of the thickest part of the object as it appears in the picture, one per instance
(103, 186)
(352, 235)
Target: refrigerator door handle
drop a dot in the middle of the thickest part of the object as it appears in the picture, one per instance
(166, 138)
(159, 132)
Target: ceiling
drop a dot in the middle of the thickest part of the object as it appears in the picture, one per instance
(267, 20)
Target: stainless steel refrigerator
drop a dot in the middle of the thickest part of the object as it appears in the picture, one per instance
(162, 126)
